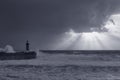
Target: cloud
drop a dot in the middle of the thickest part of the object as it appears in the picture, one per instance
(42, 21)
(61, 15)
(94, 40)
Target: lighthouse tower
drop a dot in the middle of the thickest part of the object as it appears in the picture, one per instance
(27, 45)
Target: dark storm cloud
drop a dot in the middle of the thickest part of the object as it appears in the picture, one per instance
(60, 15)
(33, 19)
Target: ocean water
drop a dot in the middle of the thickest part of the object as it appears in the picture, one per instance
(68, 72)
(63, 67)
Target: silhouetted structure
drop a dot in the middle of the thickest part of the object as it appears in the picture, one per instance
(17, 55)
(27, 46)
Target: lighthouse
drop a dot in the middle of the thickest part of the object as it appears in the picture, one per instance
(27, 45)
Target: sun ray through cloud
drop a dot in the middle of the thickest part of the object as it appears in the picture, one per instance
(94, 40)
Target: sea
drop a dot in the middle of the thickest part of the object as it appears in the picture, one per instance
(64, 65)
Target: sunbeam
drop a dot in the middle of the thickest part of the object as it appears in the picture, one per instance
(95, 40)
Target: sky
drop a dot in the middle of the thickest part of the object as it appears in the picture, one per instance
(44, 22)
